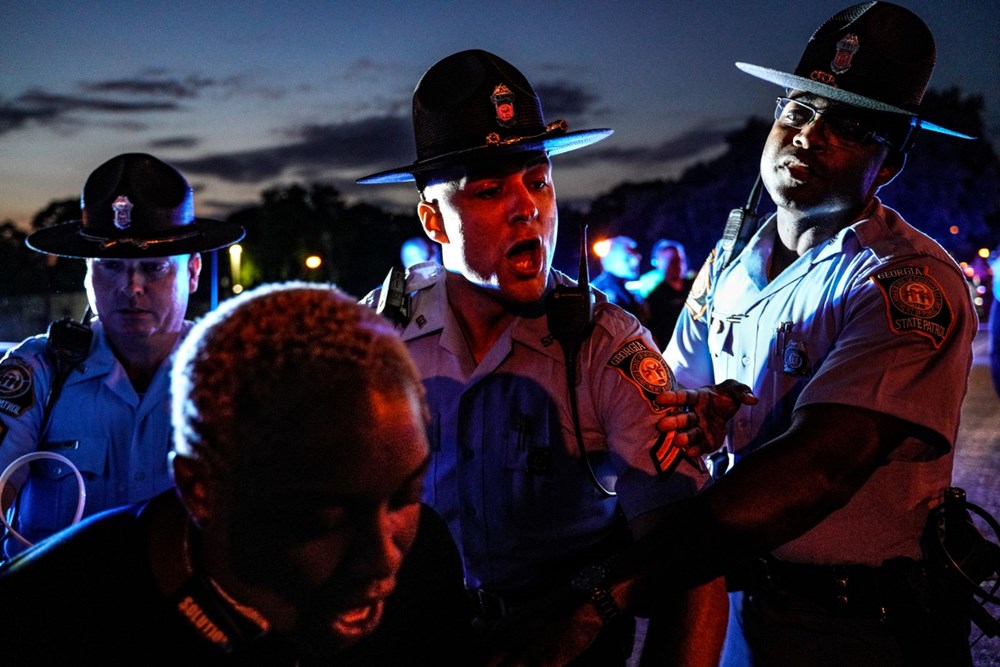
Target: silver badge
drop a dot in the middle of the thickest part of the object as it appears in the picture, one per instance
(123, 212)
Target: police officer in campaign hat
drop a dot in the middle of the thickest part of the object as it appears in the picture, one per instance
(519, 384)
(89, 400)
(855, 331)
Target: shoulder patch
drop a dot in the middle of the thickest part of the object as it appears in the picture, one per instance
(697, 298)
(16, 382)
(644, 368)
(915, 303)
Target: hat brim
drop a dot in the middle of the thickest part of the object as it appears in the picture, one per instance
(69, 240)
(793, 82)
(551, 144)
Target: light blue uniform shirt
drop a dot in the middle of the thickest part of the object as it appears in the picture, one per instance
(505, 471)
(878, 317)
(118, 439)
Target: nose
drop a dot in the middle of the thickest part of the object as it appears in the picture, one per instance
(811, 134)
(135, 281)
(378, 555)
(523, 205)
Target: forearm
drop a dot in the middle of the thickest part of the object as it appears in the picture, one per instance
(688, 629)
(768, 499)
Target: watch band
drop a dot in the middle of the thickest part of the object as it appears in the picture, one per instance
(592, 581)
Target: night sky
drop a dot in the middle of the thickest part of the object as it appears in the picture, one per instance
(248, 95)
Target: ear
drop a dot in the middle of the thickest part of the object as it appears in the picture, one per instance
(891, 167)
(194, 270)
(192, 488)
(433, 223)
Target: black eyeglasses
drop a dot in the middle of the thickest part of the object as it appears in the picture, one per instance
(843, 131)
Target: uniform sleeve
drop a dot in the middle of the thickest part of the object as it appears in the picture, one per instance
(24, 382)
(627, 374)
(905, 350)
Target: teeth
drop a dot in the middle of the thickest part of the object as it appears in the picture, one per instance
(356, 615)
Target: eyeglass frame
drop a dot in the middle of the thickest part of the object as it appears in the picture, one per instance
(837, 125)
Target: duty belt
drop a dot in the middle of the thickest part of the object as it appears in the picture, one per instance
(850, 590)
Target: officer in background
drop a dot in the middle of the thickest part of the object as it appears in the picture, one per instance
(106, 413)
(295, 532)
(620, 261)
(671, 284)
(529, 514)
(994, 321)
(418, 249)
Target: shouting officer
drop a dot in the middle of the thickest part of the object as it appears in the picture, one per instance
(527, 440)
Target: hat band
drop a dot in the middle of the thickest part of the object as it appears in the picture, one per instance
(140, 243)
(493, 138)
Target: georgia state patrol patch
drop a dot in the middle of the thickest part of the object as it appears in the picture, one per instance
(644, 368)
(16, 393)
(697, 298)
(915, 303)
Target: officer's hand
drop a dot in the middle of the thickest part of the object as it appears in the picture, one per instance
(551, 631)
(702, 428)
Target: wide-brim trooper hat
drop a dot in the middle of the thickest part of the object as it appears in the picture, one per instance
(473, 106)
(875, 55)
(133, 206)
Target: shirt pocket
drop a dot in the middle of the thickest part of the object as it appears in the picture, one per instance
(527, 448)
(51, 493)
(88, 454)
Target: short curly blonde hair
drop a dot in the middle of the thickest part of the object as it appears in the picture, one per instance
(254, 350)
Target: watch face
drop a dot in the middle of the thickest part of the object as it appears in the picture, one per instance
(589, 577)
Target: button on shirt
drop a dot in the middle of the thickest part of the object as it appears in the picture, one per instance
(505, 471)
(117, 439)
(824, 331)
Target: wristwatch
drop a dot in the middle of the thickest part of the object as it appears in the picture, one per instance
(592, 581)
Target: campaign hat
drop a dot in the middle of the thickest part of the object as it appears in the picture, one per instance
(473, 106)
(876, 56)
(132, 206)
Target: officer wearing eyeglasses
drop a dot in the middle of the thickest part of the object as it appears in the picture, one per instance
(854, 330)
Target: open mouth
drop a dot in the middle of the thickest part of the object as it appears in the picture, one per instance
(359, 621)
(525, 257)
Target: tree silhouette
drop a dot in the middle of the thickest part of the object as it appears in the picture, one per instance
(357, 244)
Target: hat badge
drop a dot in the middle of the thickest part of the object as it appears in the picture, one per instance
(846, 48)
(503, 102)
(123, 212)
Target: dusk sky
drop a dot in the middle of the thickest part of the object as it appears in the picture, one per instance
(242, 96)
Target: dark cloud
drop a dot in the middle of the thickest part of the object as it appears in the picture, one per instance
(146, 87)
(41, 100)
(175, 142)
(150, 91)
(50, 109)
(684, 146)
(560, 99)
(382, 142)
